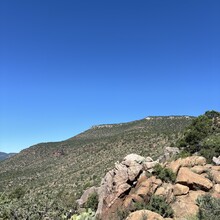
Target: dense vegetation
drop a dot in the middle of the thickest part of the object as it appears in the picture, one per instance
(165, 174)
(156, 204)
(45, 180)
(209, 208)
(203, 136)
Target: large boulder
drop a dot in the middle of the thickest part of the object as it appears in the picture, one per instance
(165, 190)
(147, 186)
(185, 205)
(186, 162)
(118, 182)
(144, 214)
(133, 169)
(142, 192)
(135, 157)
(112, 186)
(187, 177)
(199, 169)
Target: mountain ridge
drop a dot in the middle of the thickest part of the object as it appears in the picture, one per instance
(58, 172)
(4, 155)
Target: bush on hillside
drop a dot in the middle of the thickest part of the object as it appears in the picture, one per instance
(156, 204)
(88, 215)
(211, 147)
(122, 214)
(165, 174)
(202, 136)
(209, 208)
(17, 193)
(92, 202)
(159, 205)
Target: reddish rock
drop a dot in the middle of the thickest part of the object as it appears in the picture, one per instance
(193, 180)
(186, 162)
(185, 205)
(166, 190)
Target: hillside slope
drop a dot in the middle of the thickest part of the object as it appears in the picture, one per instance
(50, 176)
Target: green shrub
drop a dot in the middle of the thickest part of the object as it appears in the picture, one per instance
(165, 174)
(209, 208)
(202, 136)
(17, 193)
(210, 147)
(88, 215)
(140, 205)
(122, 214)
(212, 114)
(182, 154)
(92, 202)
(156, 204)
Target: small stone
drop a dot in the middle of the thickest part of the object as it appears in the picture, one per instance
(217, 188)
(180, 189)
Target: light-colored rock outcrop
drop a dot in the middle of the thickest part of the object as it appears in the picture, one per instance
(144, 214)
(134, 157)
(133, 169)
(149, 165)
(187, 177)
(132, 181)
(118, 182)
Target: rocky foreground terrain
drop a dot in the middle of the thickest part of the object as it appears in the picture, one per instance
(126, 190)
(55, 181)
(45, 180)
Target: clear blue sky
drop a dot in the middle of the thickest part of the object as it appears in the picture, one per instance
(67, 65)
